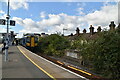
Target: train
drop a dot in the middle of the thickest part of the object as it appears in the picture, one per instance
(30, 41)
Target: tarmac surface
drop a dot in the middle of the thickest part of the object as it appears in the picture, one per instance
(18, 66)
(0, 62)
(25, 65)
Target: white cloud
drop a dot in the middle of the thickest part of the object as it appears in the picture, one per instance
(2, 12)
(31, 15)
(81, 4)
(104, 16)
(56, 22)
(43, 14)
(19, 4)
(80, 11)
(3, 16)
(65, 0)
(2, 29)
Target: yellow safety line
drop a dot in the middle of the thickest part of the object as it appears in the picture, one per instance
(79, 70)
(36, 64)
(60, 62)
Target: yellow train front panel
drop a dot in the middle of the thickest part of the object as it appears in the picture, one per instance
(32, 42)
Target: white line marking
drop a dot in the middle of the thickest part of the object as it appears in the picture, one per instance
(58, 65)
(1, 45)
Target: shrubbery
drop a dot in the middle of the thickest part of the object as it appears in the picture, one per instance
(103, 54)
(53, 45)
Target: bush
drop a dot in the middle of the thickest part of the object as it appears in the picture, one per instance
(53, 45)
(104, 54)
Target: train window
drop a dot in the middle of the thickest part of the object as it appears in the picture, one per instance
(36, 39)
(27, 39)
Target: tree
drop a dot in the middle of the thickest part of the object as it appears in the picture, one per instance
(53, 45)
(103, 53)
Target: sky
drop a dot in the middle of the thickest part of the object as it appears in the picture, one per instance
(53, 17)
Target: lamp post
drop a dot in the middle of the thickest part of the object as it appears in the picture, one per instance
(64, 30)
(7, 38)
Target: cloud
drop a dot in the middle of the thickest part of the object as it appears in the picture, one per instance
(56, 22)
(2, 12)
(42, 15)
(51, 25)
(80, 11)
(3, 16)
(81, 4)
(18, 4)
(65, 0)
(104, 16)
(2, 29)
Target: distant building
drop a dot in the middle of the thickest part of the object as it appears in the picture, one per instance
(92, 34)
(44, 35)
(85, 37)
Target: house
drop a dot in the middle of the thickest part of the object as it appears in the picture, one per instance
(80, 38)
(92, 34)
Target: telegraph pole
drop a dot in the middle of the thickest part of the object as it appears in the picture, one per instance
(7, 35)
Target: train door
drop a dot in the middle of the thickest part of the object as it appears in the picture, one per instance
(32, 41)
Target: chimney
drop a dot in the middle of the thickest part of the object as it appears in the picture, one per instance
(99, 29)
(112, 26)
(84, 31)
(71, 34)
(91, 30)
(77, 31)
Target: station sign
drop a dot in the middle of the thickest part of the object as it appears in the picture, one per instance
(2, 21)
(12, 23)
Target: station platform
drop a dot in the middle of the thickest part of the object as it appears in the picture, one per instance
(1, 62)
(23, 63)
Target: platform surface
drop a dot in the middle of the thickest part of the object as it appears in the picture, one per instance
(0, 61)
(21, 65)
(18, 66)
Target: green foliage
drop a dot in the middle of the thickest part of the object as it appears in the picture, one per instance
(53, 45)
(78, 43)
(107, 53)
(103, 54)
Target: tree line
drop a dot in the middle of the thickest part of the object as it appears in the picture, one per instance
(101, 55)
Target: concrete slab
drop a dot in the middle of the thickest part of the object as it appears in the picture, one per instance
(55, 71)
(19, 66)
(0, 61)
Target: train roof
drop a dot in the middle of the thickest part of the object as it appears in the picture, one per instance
(32, 34)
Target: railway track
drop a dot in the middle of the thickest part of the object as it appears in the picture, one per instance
(74, 69)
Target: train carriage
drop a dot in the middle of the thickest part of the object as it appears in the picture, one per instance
(30, 41)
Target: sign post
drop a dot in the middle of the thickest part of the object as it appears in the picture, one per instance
(11, 23)
(7, 38)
